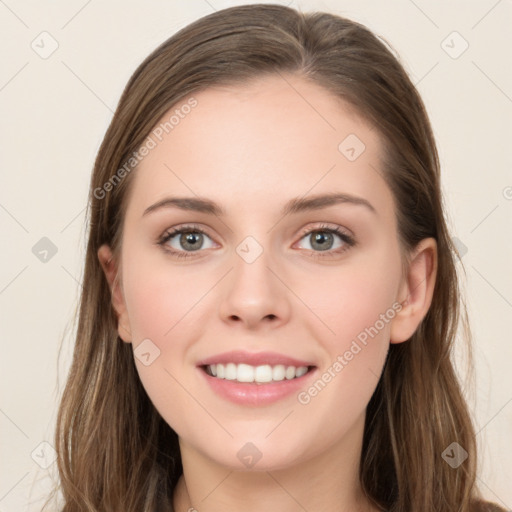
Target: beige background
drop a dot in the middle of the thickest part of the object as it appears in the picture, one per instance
(55, 111)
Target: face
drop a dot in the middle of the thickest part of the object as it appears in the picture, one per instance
(319, 284)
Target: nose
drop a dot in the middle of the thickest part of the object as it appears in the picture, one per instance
(254, 293)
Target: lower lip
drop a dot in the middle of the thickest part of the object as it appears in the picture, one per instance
(251, 393)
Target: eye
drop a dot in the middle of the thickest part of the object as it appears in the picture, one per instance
(186, 240)
(190, 240)
(322, 239)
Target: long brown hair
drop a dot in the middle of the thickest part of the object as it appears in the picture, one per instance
(115, 452)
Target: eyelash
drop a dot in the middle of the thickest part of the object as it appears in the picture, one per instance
(347, 239)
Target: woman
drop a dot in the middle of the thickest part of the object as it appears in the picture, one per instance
(270, 295)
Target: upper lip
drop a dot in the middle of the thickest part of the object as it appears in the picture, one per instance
(253, 359)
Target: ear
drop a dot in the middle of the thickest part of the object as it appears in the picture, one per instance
(111, 270)
(416, 290)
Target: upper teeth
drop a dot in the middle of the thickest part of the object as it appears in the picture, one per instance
(247, 373)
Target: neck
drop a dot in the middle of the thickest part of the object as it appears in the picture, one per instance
(329, 482)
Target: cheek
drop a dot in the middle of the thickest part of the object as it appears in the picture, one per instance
(356, 297)
(356, 304)
(159, 295)
(160, 302)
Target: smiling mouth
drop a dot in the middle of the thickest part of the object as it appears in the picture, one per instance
(262, 374)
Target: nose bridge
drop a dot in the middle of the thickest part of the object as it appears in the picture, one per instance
(252, 272)
(252, 291)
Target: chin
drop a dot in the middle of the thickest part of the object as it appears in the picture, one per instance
(258, 454)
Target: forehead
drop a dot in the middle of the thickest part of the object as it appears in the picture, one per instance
(255, 145)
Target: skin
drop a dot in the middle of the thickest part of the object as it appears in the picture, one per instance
(251, 148)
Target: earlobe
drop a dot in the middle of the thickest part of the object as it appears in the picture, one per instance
(111, 271)
(416, 291)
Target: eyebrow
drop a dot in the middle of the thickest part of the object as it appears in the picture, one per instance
(296, 205)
